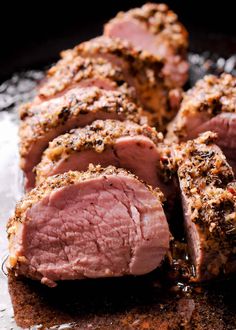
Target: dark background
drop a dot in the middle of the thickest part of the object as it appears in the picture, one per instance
(32, 34)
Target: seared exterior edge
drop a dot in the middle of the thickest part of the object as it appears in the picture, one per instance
(206, 180)
(211, 95)
(97, 136)
(159, 19)
(71, 71)
(38, 119)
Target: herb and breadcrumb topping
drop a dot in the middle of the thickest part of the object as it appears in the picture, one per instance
(210, 96)
(206, 181)
(38, 120)
(71, 71)
(98, 136)
(160, 21)
(155, 90)
(137, 59)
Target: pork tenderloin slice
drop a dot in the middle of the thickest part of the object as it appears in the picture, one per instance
(209, 106)
(78, 107)
(209, 206)
(69, 72)
(99, 223)
(141, 70)
(122, 144)
(155, 29)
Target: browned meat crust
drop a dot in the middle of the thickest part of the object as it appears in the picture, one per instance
(155, 29)
(39, 119)
(70, 71)
(56, 182)
(210, 197)
(160, 21)
(211, 95)
(103, 45)
(97, 136)
(141, 70)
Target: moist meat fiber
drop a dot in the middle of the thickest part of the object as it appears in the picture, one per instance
(99, 223)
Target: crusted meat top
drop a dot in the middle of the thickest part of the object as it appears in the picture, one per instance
(62, 180)
(39, 119)
(106, 45)
(155, 87)
(159, 20)
(138, 60)
(70, 71)
(97, 136)
(211, 94)
(206, 180)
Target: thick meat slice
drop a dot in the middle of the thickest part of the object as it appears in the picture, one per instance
(111, 142)
(99, 223)
(78, 107)
(209, 203)
(141, 70)
(209, 106)
(155, 29)
(76, 71)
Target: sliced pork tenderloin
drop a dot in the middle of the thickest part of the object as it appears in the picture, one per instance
(99, 223)
(209, 204)
(155, 29)
(71, 72)
(78, 107)
(141, 70)
(122, 144)
(209, 106)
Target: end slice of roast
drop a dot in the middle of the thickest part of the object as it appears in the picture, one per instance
(155, 29)
(141, 70)
(99, 223)
(42, 122)
(122, 144)
(209, 203)
(209, 106)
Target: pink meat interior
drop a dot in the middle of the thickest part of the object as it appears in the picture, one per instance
(108, 226)
(137, 154)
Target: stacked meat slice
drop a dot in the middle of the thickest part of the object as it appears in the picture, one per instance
(40, 123)
(103, 222)
(97, 106)
(111, 66)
